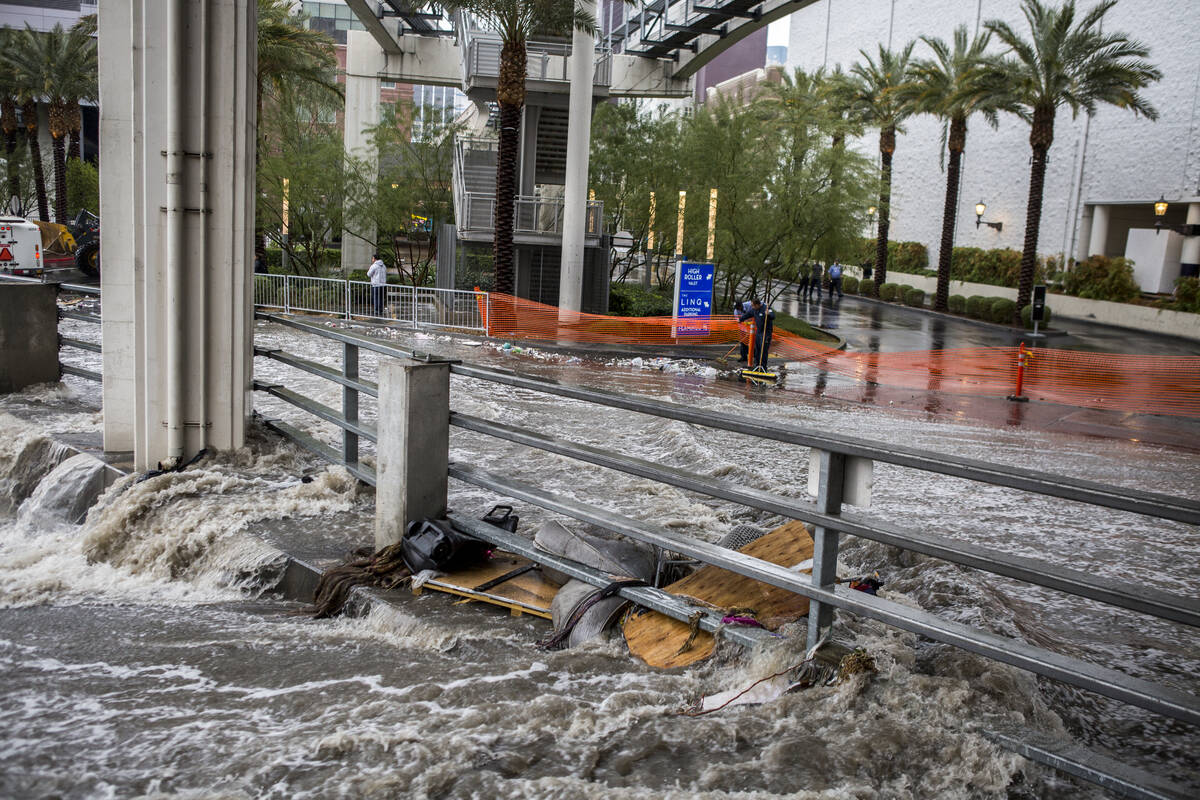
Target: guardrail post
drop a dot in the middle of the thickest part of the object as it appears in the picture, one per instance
(350, 403)
(413, 450)
(287, 294)
(825, 541)
(28, 335)
(346, 284)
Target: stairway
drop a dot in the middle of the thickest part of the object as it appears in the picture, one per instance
(479, 171)
(551, 162)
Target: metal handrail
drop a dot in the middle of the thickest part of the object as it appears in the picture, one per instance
(828, 520)
(1115, 497)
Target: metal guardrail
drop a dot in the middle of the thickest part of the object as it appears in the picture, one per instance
(418, 306)
(545, 61)
(828, 519)
(531, 215)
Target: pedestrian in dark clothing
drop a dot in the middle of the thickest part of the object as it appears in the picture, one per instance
(818, 274)
(764, 325)
(260, 265)
(802, 283)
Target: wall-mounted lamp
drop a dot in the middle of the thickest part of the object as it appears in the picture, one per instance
(981, 207)
(1160, 211)
(871, 211)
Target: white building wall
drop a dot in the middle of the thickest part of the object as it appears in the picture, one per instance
(1126, 158)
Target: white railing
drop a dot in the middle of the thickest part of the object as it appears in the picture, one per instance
(531, 215)
(544, 61)
(417, 306)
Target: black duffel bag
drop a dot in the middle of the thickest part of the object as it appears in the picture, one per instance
(433, 544)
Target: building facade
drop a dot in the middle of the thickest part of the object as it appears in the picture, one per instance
(1104, 173)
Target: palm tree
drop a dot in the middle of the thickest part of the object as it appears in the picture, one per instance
(953, 85)
(1065, 63)
(9, 122)
(290, 55)
(59, 68)
(515, 21)
(291, 59)
(876, 95)
(86, 26)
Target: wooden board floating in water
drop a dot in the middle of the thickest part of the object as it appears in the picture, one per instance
(656, 638)
(527, 593)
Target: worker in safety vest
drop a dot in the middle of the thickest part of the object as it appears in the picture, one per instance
(764, 324)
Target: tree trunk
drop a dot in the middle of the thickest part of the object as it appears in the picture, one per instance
(510, 93)
(14, 178)
(60, 180)
(956, 144)
(39, 176)
(1041, 136)
(887, 146)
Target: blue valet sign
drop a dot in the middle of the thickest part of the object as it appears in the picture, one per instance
(693, 298)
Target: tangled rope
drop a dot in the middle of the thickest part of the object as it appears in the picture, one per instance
(384, 568)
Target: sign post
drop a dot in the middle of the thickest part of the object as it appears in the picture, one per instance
(1037, 311)
(693, 298)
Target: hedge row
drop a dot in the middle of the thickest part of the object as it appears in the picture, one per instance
(994, 309)
(908, 257)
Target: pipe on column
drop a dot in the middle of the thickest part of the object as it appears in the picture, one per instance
(1189, 256)
(579, 129)
(178, 90)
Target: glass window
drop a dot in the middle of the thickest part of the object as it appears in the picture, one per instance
(342, 12)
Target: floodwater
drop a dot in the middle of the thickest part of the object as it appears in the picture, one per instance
(144, 655)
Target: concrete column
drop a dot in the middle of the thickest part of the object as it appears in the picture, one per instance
(365, 59)
(413, 450)
(581, 67)
(1085, 234)
(177, 142)
(28, 335)
(1189, 256)
(1098, 237)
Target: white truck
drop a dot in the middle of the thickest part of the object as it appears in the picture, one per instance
(20, 247)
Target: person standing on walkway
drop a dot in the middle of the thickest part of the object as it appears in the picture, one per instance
(764, 325)
(818, 274)
(802, 282)
(377, 273)
(835, 280)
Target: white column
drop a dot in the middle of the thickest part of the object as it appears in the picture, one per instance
(1098, 237)
(1189, 256)
(365, 59)
(185, 337)
(1085, 234)
(579, 131)
(413, 450)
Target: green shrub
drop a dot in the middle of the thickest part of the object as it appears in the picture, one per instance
(634, 300)
(976, 306)
(914, 298)
(868, 289)
(1102, 278)
(999, 267)
(329, 257)
(957, 304)
(908, 257)
(1187, 295)
(904, 289)
(1027, 317)
(849, 284)
(1002, 310)
(83, 187)
(888, 291)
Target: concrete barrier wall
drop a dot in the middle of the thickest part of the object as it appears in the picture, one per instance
(28, 335)
(1123, 315)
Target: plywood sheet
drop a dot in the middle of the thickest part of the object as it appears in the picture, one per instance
(656, 638)
(527, 593)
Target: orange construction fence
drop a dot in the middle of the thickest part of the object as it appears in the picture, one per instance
(1131, 383)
